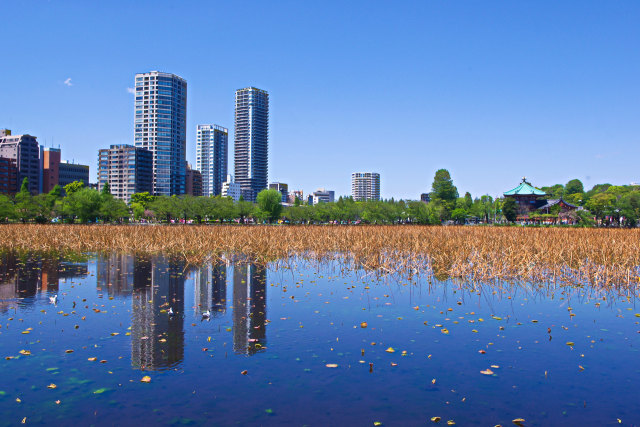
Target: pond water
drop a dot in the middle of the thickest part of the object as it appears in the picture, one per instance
(302, 343)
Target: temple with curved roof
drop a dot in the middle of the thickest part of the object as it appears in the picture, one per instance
(527, 197)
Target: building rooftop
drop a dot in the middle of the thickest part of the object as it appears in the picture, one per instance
(525, 189)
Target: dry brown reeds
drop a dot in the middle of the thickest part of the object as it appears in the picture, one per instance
(602, 257)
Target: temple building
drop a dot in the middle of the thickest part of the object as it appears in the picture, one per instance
(533, 206)
(528, 198)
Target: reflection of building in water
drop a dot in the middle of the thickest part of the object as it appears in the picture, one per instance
(115, 274)
(211, 289)
(157, 339)
(249, 308)
(25, 277)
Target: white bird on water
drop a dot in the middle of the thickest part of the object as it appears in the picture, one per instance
(206, 315)
(53, 299)
(170, 311)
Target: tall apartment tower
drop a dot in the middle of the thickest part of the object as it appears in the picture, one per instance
(127, 169)
(160, 127)
(365, 186)
(211, 157)
(25, 151)
(251, 141)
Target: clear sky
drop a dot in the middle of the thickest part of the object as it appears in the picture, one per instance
(490, 90)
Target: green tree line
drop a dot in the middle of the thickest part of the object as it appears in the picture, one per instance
(608, 204)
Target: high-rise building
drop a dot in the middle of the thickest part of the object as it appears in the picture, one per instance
(212, 144)
(50, 168)
(70, 172)
(25, 151)
(59, 172)
(160, 127)
(127, 169)
(282, 188)
(193, 182)
(295, 194)
(231, 189)
(251, 141)
(322, 195)
(8, 176)
(365, 186)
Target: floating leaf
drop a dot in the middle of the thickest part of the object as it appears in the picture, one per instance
(435, 419)
(52, 385)
(245, 372)
(390, 350)
(146, 379)
(570, 343)
(331, 365)
(519, 421)
(487, 372)
(363, 324)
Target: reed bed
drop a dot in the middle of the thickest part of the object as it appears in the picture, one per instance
(601, 257)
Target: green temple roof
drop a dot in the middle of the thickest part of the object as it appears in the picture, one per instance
(525, 189)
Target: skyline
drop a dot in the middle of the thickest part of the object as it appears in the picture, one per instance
(489, 92)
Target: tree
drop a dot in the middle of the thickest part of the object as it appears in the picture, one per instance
(468, 201)
(6, 208)
(443, 188)
(106, 189)
(459, 215)
(443, 194)
(509, 209)
(83, 204)
(112, 209)
(574, 186)
(601, 204)
(73, 187)
(144, 199)
(270, 202)
(25, 208)
(243, 209)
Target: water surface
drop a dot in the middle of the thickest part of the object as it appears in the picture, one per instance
(305, 344)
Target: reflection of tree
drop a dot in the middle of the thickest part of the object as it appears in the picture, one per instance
(249, 308)
(25, 276)
(157, 339)
(211, 289)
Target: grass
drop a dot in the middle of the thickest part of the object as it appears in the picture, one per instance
(602, 257)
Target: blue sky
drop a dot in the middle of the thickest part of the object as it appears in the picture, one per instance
(490, 90)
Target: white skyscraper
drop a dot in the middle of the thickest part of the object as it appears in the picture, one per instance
(365, 186)
(211, 157)
(160, 127)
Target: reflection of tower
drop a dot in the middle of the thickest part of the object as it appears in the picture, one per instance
(211, 289)
(114, 273)
(157, 339)
(23, 278)
(249, 308)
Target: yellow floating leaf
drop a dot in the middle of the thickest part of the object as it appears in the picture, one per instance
(146, 379)
(390, 350)
(570, 343)
(518, 421)
(92, 359)
(52, 385)
(331, 365)
(435, 419)
(25, 352)
(487, 372)
(363, 324)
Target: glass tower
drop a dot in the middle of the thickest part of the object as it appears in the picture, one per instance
(211, 157)
(160, 127)
(251, 141)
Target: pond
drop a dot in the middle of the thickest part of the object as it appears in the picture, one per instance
(138, 339)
